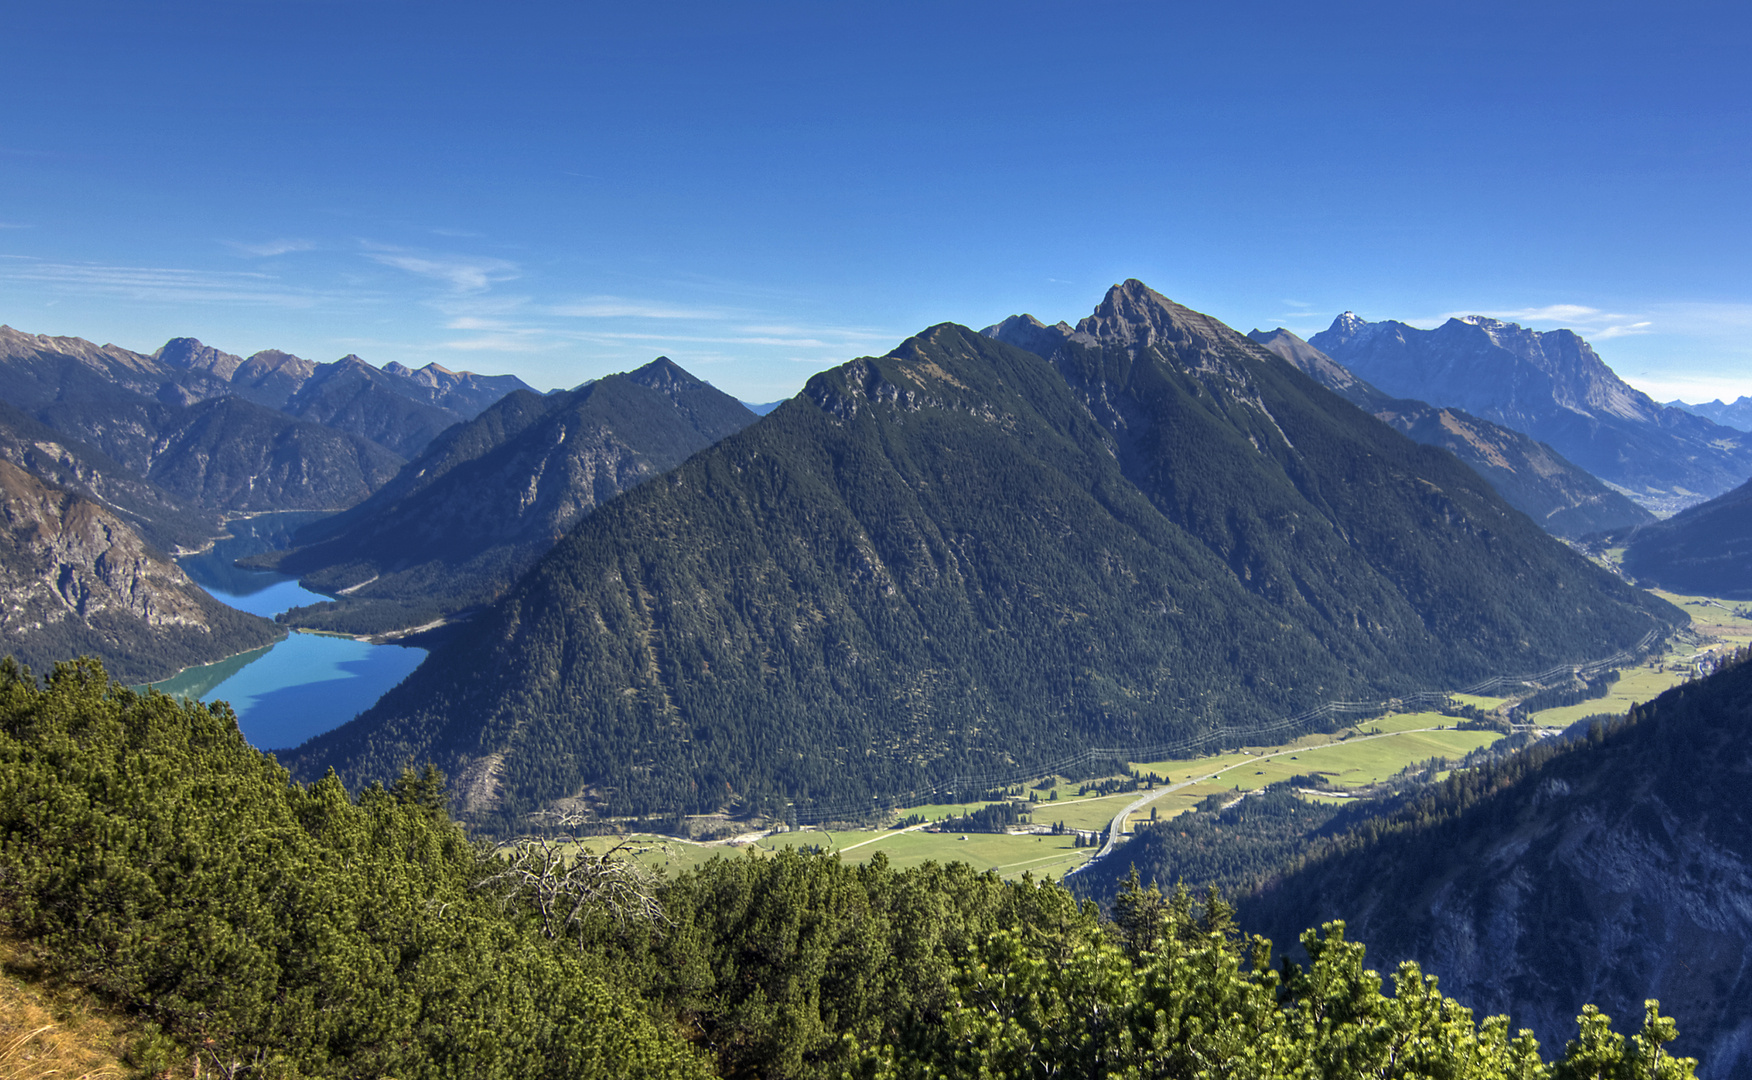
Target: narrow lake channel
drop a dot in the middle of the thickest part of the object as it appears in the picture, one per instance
(300, 687)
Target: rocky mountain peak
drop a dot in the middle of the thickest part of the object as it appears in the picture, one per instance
(663, 374)
(189, 353)
(1346, 328)
(1134, 316)
(1027, 332)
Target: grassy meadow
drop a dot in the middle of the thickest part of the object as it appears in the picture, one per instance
(1367, 753)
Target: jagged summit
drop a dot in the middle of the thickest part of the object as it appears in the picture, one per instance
(190, 353)
(1136, 316)
(1027, 332)
(1535, 479)
(1553, 386)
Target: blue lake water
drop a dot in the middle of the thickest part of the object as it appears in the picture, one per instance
(300, 687)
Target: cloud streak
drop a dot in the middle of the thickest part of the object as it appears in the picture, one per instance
(271, 247)
(155, 284)
(464, 274)
(615, 307)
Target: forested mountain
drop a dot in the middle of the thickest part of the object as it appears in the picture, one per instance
(397, 407)
(229, 454)
(162, 520)
(1611, 869)
(1704, 550)
(459, 523)
(288, 930)
(75, 580)
(1735, 414)
(943, 559)
(1554, 387)
(1535, 479)
(352, 396)
(217, 432)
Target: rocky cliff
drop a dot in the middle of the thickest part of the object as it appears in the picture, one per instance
(1536, 480)
(76, 580)
(1553, 386)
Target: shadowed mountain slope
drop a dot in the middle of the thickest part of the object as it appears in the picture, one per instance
(458, 524)
(75, 580)
(939, 560)
(1535, 479)
(230, 454)
(1706, 550)
(1615, 869)
(1553, 387)
(214, 431)
(162, 520)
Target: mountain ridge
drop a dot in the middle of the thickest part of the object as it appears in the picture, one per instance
(76, 580)
(458, 523)
(1565, 499)
(1553, 386)
(1611, 869)
(953, 556)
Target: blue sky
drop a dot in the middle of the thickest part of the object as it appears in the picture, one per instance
(762, 190)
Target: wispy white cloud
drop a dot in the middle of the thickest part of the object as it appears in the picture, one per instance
(1550, 313)
(271, 248)
(1591, 322)
(463, 273)
(157, 284)
(1707, 317)
(12, 225)
(616, 307)
(501, 343)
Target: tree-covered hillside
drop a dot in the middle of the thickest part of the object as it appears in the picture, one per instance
(940, 561)
(1607, 869)
(255, 927)
(1705, 550)
(460, 522)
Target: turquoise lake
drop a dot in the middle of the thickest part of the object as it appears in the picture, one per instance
(300, 687)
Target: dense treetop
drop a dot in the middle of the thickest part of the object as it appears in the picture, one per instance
(265, 928)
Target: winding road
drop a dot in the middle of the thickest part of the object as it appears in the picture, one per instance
(1117, 829)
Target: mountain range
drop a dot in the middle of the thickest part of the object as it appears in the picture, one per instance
(1535, 479)
(220, 433)
(1735, 414)
(117, 457)
(460, 522)
(982, 551)
(1553, 386)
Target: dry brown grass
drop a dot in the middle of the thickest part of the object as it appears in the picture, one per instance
(50, 1036)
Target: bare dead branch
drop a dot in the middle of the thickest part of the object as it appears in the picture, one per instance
(565, 882)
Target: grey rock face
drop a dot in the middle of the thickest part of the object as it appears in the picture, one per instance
(1554, 387)
(1564, 498)
(75, 579)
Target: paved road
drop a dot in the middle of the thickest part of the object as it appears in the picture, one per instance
(1117, 829)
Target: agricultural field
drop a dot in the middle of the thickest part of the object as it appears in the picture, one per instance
(1368, 753)
(1354, 758)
